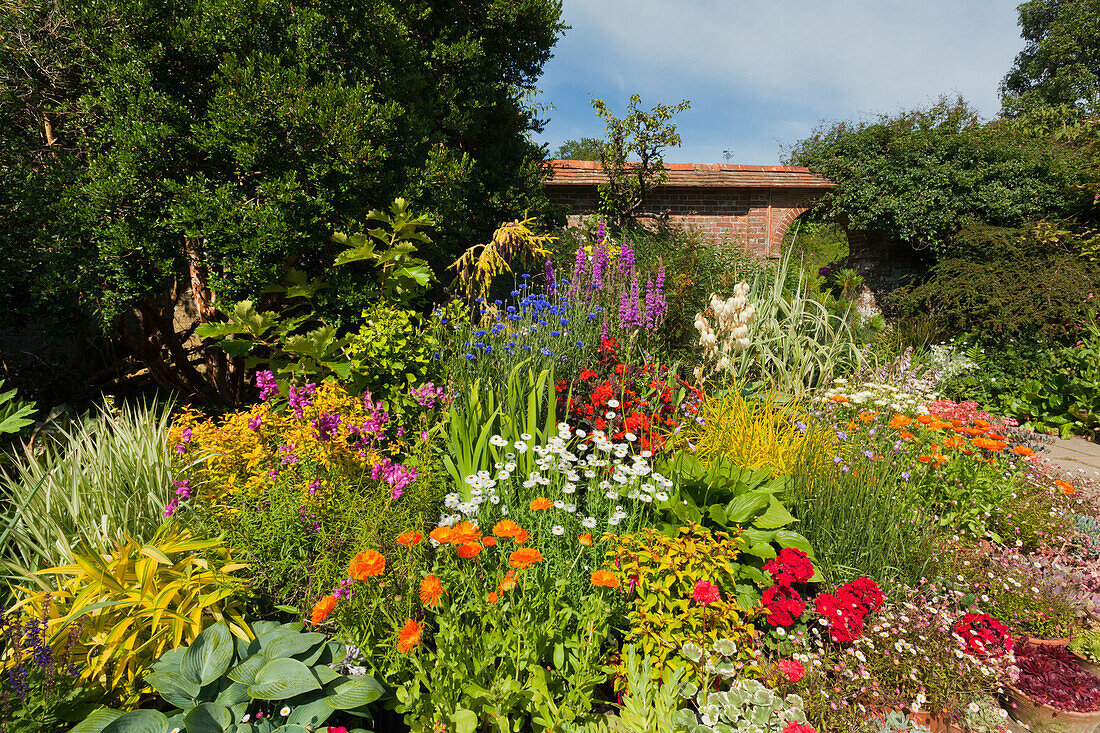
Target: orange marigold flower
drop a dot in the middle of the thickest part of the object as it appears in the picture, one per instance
(972, 432)
(605, 579)
(508, 582)
(541, 503)
(939, 425)
(839, 398)
(469, 550)
(524, 557)
(1066, 487)
(367, 564)
(408, 638)
(493, 597)
(431, 590)
(442, 535)
(991, 445)
(899, 421)
(1022, 450)
(408, 539)
(867, 416)
(995, 436)
(585, 539)
(954, 441)
(464, 532)
(322, 609)
(981, 423)
(956, 422)
(924, 419)
(489, 541)
(522, 537)
(506, 528)
(905, 434)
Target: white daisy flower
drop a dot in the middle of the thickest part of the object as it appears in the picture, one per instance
(589, 522)
(520, 446)
(558, 530)
(498, 441)
(285, 711)
(612, 402)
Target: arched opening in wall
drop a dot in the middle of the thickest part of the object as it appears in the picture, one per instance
(815, 242)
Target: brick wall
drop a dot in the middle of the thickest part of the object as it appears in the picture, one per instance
(756, 218)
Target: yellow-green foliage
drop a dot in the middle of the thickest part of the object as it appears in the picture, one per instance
(752, 432)
(238, 459)
(392, 352)
(664, 615)
(116, 613)
(478, 265)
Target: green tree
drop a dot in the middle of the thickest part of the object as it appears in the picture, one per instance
(155, 147)
(586, 148)
(920, 176)
(632, 155)
(1060, 64)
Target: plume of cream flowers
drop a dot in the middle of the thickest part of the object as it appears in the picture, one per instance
(729, 332)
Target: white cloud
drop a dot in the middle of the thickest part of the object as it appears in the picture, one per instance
(778, 66)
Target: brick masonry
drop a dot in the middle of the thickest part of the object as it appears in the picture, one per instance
(752, 205)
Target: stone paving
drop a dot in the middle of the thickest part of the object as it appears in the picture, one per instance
(1076, 456)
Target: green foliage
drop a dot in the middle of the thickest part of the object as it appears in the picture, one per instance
(1060, 64)
(585, 148)
(393, 351)
(632, 155)
(994, 294)
(218, 682)
(648, 705)
(103, 479)
(535, 659)
(893, 721)
(921, 175)
(733, 498)
(858, 521)
(14, 412)
(664, 617)
(1087, 644)
(747, 707)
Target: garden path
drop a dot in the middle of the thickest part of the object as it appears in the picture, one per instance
(1075, 456)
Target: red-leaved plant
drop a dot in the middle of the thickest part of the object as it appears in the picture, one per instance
(1048, 675)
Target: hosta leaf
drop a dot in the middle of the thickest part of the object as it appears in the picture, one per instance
(97, 721)
(355, 692)
(282, 678)
(743, 508)
(209, 655)
(139, 721)
(312, 713)
(208, 718)
(174, 687)
(245, 672)
(774, 517)
(291, 644)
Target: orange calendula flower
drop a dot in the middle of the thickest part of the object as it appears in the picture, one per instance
(954, 441)
(464, 532)
(442, 535)
(508, 582)
(995, 436)
(867, 416)
(367, 564)
(991, 445)
(521, 537)
(489, 541)
(924, 419)
(469, 550)
(851, 425)
(506, 528)
(541, 503)
(939, 425)
(408, 638)
(1065, 486)
(524, 557)
(972, 432)
(322, 609)
(431, 590)
(1022, 450)
(408, 539)
(839, 398)
(924, 459)
(906, 435)
(899, 421)
(493, 597)
(605, 579)
(585, 539)
(978, 422)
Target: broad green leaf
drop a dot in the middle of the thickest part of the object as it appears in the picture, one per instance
(774, 517)
(465, 721)
(282, 678)
(139, 721)
(97, 721)
(789, 538)
(288, 645)
(312, 713)
(355, 692)
(236, 348)
(208, 718)
(209, 656)
(245, 672)
(743, 508)
(174, 687)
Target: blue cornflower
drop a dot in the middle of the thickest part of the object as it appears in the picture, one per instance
(555, 333)
(511, 309)
(498, 302)
(580, 344)
(481, 333)
(592, 316)
(479, 345)
(471, 357)
(868, 454)
(525, 276)
(515, 293)
(513, 318)
(563, 321)
(526, 347)
(547, 352)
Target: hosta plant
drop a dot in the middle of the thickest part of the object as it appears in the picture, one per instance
(280, 679)
(118, 611)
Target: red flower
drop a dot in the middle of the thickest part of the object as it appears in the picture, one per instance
(784, 605)
(587, 374)
(792, 668)
(799, 728)
(621, 369)
(706, 593)
(845, 622)
(984, 635)
(790, 566)
(862, 594)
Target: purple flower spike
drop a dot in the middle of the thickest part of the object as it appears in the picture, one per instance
(265, 382)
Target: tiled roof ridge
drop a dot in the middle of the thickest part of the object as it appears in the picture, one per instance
(714, 175)
(594, 165)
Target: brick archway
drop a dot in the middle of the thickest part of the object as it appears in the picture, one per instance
(753, 205)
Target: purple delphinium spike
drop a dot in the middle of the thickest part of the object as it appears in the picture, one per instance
(549, 272)
(601, 232)
(603, 331)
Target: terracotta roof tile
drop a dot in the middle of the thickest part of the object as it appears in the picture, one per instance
(721, 175)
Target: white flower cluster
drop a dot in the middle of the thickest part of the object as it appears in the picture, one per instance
(596, 473)
(875, 395)
(731, 330)
(947, 360)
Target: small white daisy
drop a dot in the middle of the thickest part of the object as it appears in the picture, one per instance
(285, 711)
(558, 530)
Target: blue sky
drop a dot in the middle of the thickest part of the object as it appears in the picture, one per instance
(764, 74)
